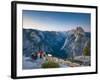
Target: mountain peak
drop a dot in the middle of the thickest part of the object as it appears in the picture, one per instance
(79, 31)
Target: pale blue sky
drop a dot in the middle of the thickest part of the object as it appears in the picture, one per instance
(55, 21)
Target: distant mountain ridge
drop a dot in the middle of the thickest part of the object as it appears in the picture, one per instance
(59, 44)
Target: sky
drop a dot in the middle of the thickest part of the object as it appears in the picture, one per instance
(55, 21)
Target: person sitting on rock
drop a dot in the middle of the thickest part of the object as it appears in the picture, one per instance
(34, 56)
(41, 54)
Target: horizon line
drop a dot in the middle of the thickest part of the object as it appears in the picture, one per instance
(55, 30)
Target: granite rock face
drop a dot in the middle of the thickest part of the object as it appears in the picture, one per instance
(59, 44)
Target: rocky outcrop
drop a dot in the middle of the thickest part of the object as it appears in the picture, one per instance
(75, 42)
(59, 44)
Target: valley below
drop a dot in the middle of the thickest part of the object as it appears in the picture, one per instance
(68, 48)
